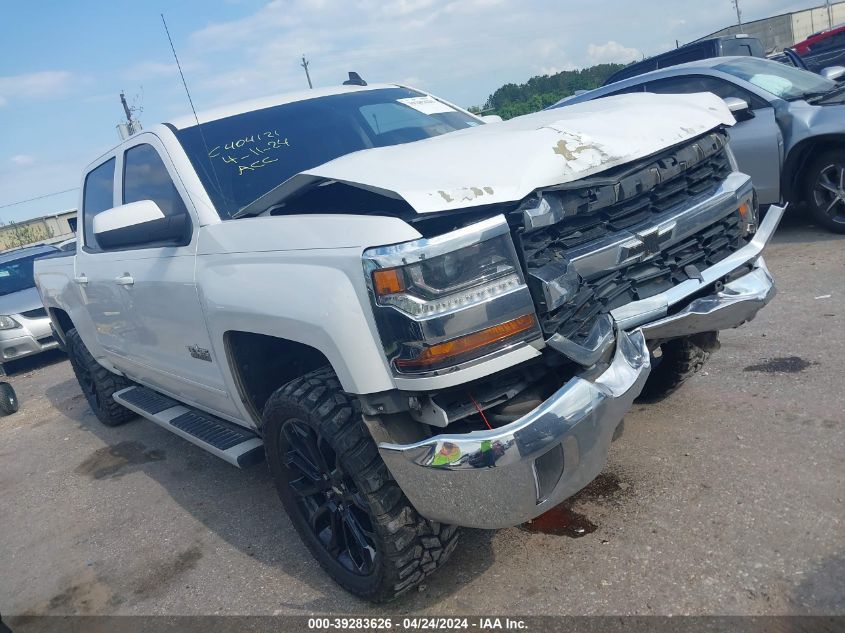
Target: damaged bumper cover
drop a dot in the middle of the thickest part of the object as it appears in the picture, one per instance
(511, 474)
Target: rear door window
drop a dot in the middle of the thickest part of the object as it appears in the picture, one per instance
(97, 196)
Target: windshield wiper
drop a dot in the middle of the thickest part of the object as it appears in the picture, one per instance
(818, 95)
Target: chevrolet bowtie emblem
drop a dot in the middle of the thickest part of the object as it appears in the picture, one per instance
(645, 245)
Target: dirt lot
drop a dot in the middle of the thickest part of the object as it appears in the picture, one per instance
(725, 499)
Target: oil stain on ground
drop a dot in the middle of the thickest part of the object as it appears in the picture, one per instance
(562, 520)
(161, 573)
(782, 365)
(109, 461)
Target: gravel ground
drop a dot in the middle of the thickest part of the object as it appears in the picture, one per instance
(727, 498)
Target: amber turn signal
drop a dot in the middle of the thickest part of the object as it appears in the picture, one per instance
(450, 350)
(388, 281)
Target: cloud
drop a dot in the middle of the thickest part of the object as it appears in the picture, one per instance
(553, 70)
(46, 84)
(610, 52)
(22, 159)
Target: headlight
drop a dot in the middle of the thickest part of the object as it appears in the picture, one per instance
(8, 323)
(451, 281)
(443, 301)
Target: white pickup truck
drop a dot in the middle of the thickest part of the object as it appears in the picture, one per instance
(422, 320)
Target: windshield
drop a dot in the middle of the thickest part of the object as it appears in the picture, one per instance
(16, 275)
(249, 154)
(786, 82)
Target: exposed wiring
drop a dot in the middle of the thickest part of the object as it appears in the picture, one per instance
(478, 408)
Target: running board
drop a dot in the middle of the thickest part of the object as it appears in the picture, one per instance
(230, 442)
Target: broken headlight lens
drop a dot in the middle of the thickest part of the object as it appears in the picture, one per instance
(450, 281)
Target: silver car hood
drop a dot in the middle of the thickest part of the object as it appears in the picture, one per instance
(504, 162)
(21, 301)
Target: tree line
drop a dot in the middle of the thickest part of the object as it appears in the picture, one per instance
(542, 91)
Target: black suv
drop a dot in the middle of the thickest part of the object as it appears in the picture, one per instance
(703, 49)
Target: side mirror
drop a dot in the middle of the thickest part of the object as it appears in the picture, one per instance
(739, 108)
(834, 73)
(140, 223)
(491, 118)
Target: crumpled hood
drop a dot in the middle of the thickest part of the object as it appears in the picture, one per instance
(504, 162)
(21, 301)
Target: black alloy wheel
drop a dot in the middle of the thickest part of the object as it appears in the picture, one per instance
(328, 498)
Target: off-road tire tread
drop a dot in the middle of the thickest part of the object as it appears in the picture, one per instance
(681, 359)
(106, 383)
(412, 547)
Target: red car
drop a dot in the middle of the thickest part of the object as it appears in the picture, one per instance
(823, 49)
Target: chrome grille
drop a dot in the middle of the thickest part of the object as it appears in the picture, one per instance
(632, 283)
(629, 200)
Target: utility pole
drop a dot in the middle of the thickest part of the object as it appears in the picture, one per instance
(829, 14)
(126, 109)
(132, 125)
(738, 13)
(304, 64)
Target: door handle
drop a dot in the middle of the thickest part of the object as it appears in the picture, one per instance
(124, 280)
(82, 279)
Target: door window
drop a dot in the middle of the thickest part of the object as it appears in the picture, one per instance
(97, 196)
(700, 83)
(145, 177)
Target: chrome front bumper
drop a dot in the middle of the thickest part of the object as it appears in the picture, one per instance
(503, 477)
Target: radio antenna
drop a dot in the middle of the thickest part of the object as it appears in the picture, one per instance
(193, 109)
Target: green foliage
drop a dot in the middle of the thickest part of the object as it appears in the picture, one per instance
(14, 235)
(542, 91)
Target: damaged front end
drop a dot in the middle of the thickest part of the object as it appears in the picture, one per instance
(528, 346)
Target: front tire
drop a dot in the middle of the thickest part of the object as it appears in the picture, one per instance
(98, 384)
(679, 360)
(340, 496)
(825, 190)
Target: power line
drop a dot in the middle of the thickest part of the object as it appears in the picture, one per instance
(46, 195)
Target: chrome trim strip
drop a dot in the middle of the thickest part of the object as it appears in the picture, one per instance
(425, 248)
(738, 302)
(598, 341)
(638, 312)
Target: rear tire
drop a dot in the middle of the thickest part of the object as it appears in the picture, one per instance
(98, 384)
(8, 399)
(825, 190)
(340, 496)
(680, 359)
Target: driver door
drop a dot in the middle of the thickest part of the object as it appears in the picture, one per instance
(164, 341)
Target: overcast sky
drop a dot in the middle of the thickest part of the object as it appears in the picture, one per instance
(62, 64)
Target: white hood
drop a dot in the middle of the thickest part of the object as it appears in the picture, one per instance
(504, 162)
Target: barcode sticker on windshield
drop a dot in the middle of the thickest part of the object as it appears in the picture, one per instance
(426, 105)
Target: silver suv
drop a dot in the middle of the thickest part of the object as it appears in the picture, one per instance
(24, 324)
